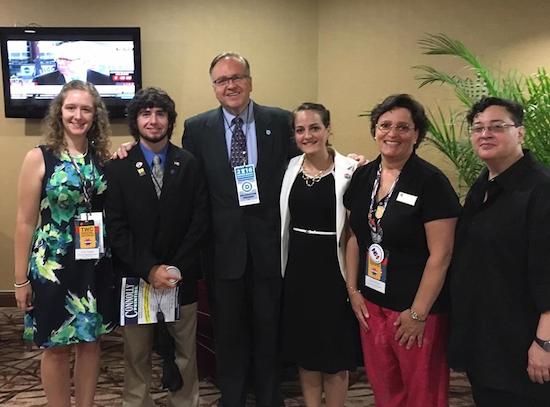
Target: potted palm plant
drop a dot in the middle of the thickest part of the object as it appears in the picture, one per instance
(448, 131)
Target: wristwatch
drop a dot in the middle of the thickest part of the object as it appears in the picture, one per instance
(545, 345)
(416, 317)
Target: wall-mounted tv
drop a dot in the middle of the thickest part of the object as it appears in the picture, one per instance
(37, 61)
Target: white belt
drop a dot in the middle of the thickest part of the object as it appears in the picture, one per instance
(314, 232)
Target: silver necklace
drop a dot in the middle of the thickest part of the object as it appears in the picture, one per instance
(312, 180)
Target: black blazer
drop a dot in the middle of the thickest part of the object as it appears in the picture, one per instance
(235, 229)
(57, 78)
(144, 230)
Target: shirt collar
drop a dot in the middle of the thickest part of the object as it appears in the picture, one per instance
(148, 154)
(513, 175)
(247, 114)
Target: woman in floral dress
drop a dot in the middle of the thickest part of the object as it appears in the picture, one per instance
(66, 298)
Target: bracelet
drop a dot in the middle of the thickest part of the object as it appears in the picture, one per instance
(415, 316)
(353, 289)
(19, 285)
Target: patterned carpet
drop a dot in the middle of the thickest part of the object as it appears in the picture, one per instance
(20, 379)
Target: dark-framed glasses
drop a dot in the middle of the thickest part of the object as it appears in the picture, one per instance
(496, 128)
(224, 80)
(401, 128)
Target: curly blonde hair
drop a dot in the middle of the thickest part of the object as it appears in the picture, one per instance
(98, 134)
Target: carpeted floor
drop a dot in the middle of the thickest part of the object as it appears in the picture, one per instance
(20, 379)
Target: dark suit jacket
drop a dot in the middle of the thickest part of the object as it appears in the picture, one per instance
(57, 78)
(144, 230)
(235, 229)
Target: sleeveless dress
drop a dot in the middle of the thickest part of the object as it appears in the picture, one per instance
(319, 328)
(73, 299)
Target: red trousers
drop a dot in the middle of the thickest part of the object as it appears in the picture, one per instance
(418, 377)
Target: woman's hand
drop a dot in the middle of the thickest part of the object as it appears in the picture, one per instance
(359, 308)
(409, 330)
(23, 296)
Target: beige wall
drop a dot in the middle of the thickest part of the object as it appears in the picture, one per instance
(367, 49)
(347, 54)
(179, 39)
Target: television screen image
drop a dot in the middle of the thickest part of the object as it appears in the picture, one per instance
(35, 68)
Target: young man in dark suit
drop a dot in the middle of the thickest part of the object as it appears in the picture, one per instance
(245, 277)
(157, 216)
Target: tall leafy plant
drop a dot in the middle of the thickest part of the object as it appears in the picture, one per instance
(448, 131)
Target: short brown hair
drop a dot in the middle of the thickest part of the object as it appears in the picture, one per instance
(231, 55)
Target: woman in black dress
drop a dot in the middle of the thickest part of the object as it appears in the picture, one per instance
(318, 323)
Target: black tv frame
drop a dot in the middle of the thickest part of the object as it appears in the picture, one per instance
(37, 108)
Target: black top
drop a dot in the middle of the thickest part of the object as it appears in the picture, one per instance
(403, 227)
(500, 276)
(319, 216)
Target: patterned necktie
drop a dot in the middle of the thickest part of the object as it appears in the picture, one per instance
(157, 173)
(238, 144)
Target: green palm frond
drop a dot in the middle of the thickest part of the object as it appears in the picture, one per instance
(448, 133)
(442, 44)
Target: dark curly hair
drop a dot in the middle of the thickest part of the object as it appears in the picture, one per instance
(512, 107)
(147, 98)
(405, 101)
(99, 132)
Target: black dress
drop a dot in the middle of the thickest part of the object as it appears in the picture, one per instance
(319, 331)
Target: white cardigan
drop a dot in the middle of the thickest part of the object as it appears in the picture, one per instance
(343, 170)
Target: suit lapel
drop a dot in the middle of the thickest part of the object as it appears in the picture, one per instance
(216, 130)
(142, 172)
(264, 139)
(215, 151)
(172, 167)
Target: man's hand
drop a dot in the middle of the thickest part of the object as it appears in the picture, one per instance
(361, 160)
(159, 277)
(122, 151)
(538, 364)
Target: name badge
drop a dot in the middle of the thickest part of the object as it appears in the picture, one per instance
(247, 185)
(406, 198)
(89, 236)
(377, 265)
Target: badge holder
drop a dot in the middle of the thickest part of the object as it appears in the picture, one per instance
(86, 240)
(247, 185)
(376, 269)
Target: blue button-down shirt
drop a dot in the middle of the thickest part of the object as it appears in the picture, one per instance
(148, 154)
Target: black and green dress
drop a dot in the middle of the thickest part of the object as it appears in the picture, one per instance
(72, 299)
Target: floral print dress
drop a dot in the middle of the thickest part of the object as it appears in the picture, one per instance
(73, 299)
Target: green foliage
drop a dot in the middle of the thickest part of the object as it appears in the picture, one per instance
(448, 132)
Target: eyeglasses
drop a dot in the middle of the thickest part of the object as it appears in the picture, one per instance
(401, 128)
(497, 128)
(224, 80)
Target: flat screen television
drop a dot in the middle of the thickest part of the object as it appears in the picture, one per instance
(37, 61)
